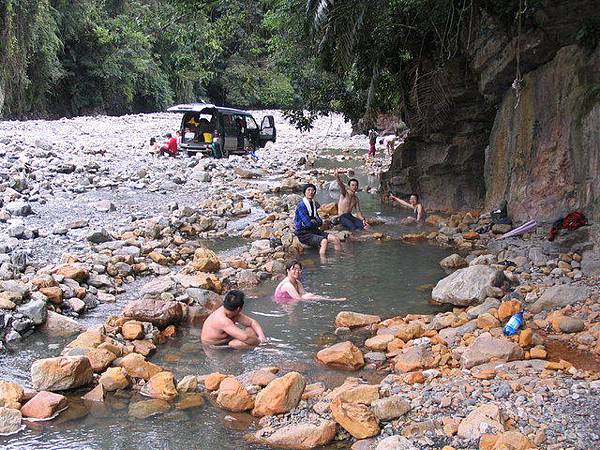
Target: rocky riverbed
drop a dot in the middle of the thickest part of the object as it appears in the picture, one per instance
(87, 212)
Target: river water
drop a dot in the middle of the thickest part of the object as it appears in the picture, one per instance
(377, 277)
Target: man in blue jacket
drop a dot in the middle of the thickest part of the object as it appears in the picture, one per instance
(307, 222)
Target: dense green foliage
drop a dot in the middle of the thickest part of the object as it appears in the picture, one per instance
(117, 56)
(306, 56)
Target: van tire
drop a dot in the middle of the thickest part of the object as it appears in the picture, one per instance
(191, 154)
(224, 153)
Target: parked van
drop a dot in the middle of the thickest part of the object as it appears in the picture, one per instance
(221, 131)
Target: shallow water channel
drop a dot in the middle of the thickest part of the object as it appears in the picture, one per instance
(384, 278)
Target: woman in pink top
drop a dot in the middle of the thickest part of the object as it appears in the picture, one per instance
(291, 288)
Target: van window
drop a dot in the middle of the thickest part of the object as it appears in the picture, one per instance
(195, 125)
(251, 123)
(229, 124)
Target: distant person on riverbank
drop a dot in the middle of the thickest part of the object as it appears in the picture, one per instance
(170, 146)
(414, 204)
(220, 329)
(153, 147)
(372, 142)
(347, 202)
(291, 288)
(308, 223)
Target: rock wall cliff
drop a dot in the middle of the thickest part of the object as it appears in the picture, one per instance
(536, 146)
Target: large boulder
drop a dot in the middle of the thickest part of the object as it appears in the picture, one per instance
(158, 312)
(10, 421)
(59, 374)
(161, 385)
(205, 260)
(281, 395)
(343, 355)
(483, 419)
(467, 286)
(302, 435)
(233, 396)
(355, 418)
(353, 319)
(44, 405)
(556, 297)
(486, 348)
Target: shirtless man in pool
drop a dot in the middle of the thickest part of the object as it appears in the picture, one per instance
(347, 202)
(220, 327)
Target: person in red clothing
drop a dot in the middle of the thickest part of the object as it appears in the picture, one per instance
(170, 146)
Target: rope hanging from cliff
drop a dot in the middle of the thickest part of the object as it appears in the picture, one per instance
(518, 81)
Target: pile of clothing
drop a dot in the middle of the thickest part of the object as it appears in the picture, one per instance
(571, 221)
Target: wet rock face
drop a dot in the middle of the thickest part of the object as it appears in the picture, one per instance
(553, 151)
(541, 159)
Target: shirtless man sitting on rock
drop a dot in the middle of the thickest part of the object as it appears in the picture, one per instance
(346, 204)
(220, 328)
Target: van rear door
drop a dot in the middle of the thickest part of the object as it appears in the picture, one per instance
(267, 131)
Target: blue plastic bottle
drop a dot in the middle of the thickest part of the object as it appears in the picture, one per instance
(514, 323)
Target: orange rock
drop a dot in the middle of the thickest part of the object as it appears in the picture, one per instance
(526, 337)
(537, 353)
(352, 319)
(158, 258)
(471, 235)
(487, 441)
(361, 393)
(11, 394)
(54, 294)
(508, 308)
(450, 425)
(344, 355)
(233, 396)
(161, 385)
(513, 440)
(44, 405)
(100, 359)
(95, 395)
(137, 366)
(281, 395)
(396, 344)
(76, 272)
(213, 381)
(379, 342)
(206, 260)
(132, 329)
(355, 418)
(414, 377)
(170, 331)
(143, 347)
(485, 374)
(115, 378)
